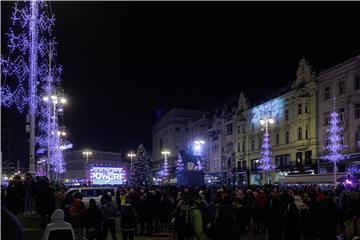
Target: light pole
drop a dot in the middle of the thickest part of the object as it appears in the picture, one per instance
(131, 155)
(166, 166)
(87, 153)
(266, 158)
(55, 104)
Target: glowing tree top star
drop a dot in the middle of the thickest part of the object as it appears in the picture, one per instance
(335, 146)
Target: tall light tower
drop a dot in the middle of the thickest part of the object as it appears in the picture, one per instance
(33, 61)
(131, 155)
(166, 164)
(266, 160)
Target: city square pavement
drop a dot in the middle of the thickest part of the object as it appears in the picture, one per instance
(32, 231)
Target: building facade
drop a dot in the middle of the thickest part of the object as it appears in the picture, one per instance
(170, 133)
(77, 164)
(219, 156)
(233, 132)
(339, 90)
(293, 135)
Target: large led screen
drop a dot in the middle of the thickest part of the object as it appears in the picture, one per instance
(107, 175)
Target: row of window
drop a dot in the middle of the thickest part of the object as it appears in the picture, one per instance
(283, 161)
(277, 140)
(341, 88)
(241, 127)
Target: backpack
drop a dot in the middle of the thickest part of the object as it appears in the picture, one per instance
(183, 223)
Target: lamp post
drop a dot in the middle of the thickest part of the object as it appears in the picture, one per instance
(166, 167)
(131, 155)
(266, 158)
(55, 104)
(87, 153)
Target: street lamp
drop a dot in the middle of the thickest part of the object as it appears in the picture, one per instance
(131, 155)
(55, 104)
(166, 166)
(266, 158)
(87, 153)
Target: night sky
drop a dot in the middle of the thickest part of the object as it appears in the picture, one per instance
(123, 61)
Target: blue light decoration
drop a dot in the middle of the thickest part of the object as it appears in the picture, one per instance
(166, 171)
(271, 109)
(180, 166)
(29, 72)
(265, 112)
(266, 160)
(199, 165)
(335, 146)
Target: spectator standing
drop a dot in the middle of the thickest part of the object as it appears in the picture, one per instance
(128, 220)
(93, 221)
(109, 214)
(76, 219)
(58, 228)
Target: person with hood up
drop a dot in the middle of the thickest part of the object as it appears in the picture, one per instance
(58, 229)
(128, 220)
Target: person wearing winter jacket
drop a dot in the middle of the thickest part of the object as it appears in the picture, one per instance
(128, 220)
(188, 220)
(76, 219)
(58, 228)
(93, 221)
(109, 215)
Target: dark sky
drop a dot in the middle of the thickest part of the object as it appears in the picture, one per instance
(124, 60)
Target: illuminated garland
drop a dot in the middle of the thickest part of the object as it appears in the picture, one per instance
(267, 110)
(266, 160)
(31, 40)
(335, 146)
(180, 166)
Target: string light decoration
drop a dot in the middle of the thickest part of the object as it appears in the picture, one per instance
(28, 75)
(141, 167)
(335, 146)
(199, 165)
(266, 114)
(165, 171)
(266, 160)
(180, 166)
(268, 110)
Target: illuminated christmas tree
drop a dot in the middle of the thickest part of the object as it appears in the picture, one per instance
(334, 146)
(141, 167)
(180, 166)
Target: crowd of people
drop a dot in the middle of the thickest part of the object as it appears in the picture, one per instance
(278, 212)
